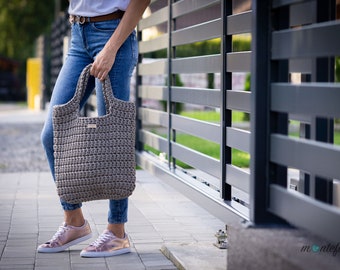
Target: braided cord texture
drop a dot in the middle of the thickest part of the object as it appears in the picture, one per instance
(94, 156)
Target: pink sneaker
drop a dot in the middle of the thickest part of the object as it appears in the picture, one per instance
(106, 245)
(65, 237)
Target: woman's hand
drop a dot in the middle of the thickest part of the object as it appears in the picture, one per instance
(105, 59)
(103, 64)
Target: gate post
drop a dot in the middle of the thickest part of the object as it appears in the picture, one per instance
(260, 82)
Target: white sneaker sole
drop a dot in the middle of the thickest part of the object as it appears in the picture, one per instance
(94, 254)
(63, 247)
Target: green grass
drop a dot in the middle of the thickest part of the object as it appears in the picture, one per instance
(336, 136)
(212, 116)
(239, 158)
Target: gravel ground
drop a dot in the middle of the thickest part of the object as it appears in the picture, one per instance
(21, 149)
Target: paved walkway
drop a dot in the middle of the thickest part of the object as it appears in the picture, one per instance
(161, 221)
(159, 218)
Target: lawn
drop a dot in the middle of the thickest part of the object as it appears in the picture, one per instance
(239, 158)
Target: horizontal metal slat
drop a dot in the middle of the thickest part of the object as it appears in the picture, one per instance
(300, 65)
(181, 8)
(196, 191)
(238, 100)
(156, 18)
(155, 44)
(302, 13)
(201, 129)
(318, 99)
(239, 62)
(156, 92)
(196, 159)
(239, 139)
(151, 116)
(239, 23)
(199, 64)
(199, 32)
(154, 141)
(198, 96)
(281, 3)
(153, 68)
(315, 40)
(238, 178)
(305, 212)
(318, 158)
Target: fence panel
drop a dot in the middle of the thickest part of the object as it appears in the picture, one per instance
(310, 101)
(275, 63)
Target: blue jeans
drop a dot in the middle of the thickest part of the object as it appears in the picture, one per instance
(87, 40)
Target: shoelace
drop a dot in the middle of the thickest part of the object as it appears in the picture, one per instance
(102, 239)
(60, 231)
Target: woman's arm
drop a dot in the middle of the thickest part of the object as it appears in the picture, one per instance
(105, 59)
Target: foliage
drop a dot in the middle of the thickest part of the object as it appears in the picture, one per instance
(239, 158)
(246, 116)
(207, 47)
(241, 43)
(21, 22)
(337, 69)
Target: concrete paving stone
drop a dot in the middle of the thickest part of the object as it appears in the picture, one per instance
(177, 238)
(128, 259)
(60, 256)
(204, 237)
(50, 221)
(75, 258)
(147, 247)
(21, 242)
(170, 267)
(157, 263)
(126, 266)
(196, 256)
(20, 226)
(154, 217)
(142, 238)
(2, 246)
(165, 227)
(157, 260)
(46, 267)
(18, 253)
(20, 235)
(99, 266)
(16, 261)
(19, 267)
(19, 248)
(146, 229)
(4, 226)
(147, 241)
(53, 262)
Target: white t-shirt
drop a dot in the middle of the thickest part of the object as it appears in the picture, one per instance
(91, 8)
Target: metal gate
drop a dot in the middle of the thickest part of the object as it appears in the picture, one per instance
(294, 49)
(190, 56)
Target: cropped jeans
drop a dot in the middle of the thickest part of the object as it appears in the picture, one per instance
(87, 40)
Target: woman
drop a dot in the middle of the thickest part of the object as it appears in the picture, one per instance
(102, 33)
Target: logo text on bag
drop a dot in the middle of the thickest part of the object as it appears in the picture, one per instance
(91, 125)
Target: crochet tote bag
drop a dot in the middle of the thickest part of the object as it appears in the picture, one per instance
(94, 156)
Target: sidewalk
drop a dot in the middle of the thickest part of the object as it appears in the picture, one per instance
(161, 221)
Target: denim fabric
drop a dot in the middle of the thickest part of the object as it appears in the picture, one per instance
(87, 40)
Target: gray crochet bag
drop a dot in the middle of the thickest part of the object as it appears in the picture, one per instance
(94, 156)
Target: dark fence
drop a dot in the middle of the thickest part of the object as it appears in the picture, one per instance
(294, 45)
(196, 55)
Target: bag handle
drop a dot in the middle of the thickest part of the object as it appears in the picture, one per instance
(106, 86)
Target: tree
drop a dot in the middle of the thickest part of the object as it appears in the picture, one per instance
(21, 22)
